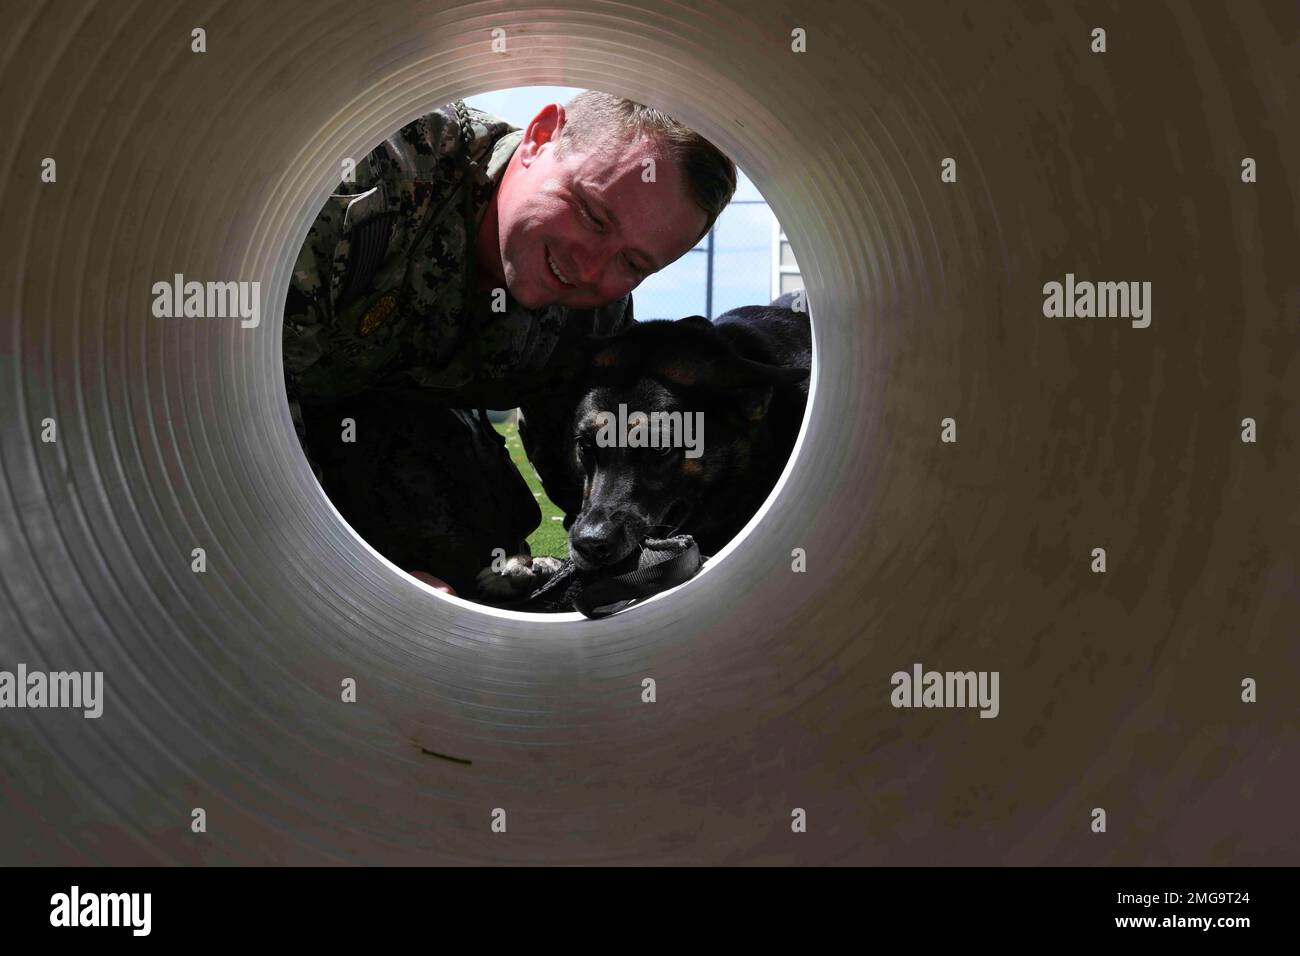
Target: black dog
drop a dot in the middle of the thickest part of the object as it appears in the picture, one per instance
(684, 429)
(745, 378)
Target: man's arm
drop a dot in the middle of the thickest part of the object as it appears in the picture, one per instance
(361, 225)
(322, 271)
(307, 308)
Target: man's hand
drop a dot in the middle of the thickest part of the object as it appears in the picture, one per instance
(438, 584)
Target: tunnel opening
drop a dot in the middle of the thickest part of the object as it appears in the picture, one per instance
(749, 375)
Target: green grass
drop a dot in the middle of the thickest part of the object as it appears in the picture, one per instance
(549, 538)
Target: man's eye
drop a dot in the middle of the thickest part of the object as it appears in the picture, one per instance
(589, 217)
(633, 267)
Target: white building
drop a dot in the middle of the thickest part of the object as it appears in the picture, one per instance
(785, 271)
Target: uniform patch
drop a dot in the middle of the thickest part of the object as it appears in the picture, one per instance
(378, 314)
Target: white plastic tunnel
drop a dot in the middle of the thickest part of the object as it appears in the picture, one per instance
(224, 690)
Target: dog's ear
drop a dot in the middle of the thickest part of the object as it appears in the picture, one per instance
(749, 385)
(739, 372)
(685, 353)
(732, 372)
(690, 353)
(640, 345)
(727, 368)
(680, 352)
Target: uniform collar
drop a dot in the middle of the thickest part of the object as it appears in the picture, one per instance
(502, 151)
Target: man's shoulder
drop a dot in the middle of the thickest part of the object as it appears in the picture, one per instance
(428, 147)
(486, 124)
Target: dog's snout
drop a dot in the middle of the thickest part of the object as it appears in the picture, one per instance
(593, 540)
(604, 536)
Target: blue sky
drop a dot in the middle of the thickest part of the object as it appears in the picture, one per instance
(742, 253)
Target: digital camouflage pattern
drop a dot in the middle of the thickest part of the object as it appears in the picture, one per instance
(380, 327)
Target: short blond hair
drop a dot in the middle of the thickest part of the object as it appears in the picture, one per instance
(593, 118)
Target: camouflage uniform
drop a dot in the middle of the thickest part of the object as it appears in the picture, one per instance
(379, 327)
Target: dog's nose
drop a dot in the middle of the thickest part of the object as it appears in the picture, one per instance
(593, 540)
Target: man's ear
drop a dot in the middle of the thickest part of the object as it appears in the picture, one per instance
(560, 119)
(544, 128)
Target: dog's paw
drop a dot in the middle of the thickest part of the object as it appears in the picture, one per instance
(545, 568)
(521, 576)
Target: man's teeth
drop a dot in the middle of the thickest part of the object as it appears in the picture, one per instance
(558, 274)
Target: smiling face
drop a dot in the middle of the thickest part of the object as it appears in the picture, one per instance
(588, 215)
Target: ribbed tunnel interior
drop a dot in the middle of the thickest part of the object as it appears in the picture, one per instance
(1119, 690)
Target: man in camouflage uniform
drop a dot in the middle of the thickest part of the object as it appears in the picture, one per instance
(463, 270)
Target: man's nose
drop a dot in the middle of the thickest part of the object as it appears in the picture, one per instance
(590, 262)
